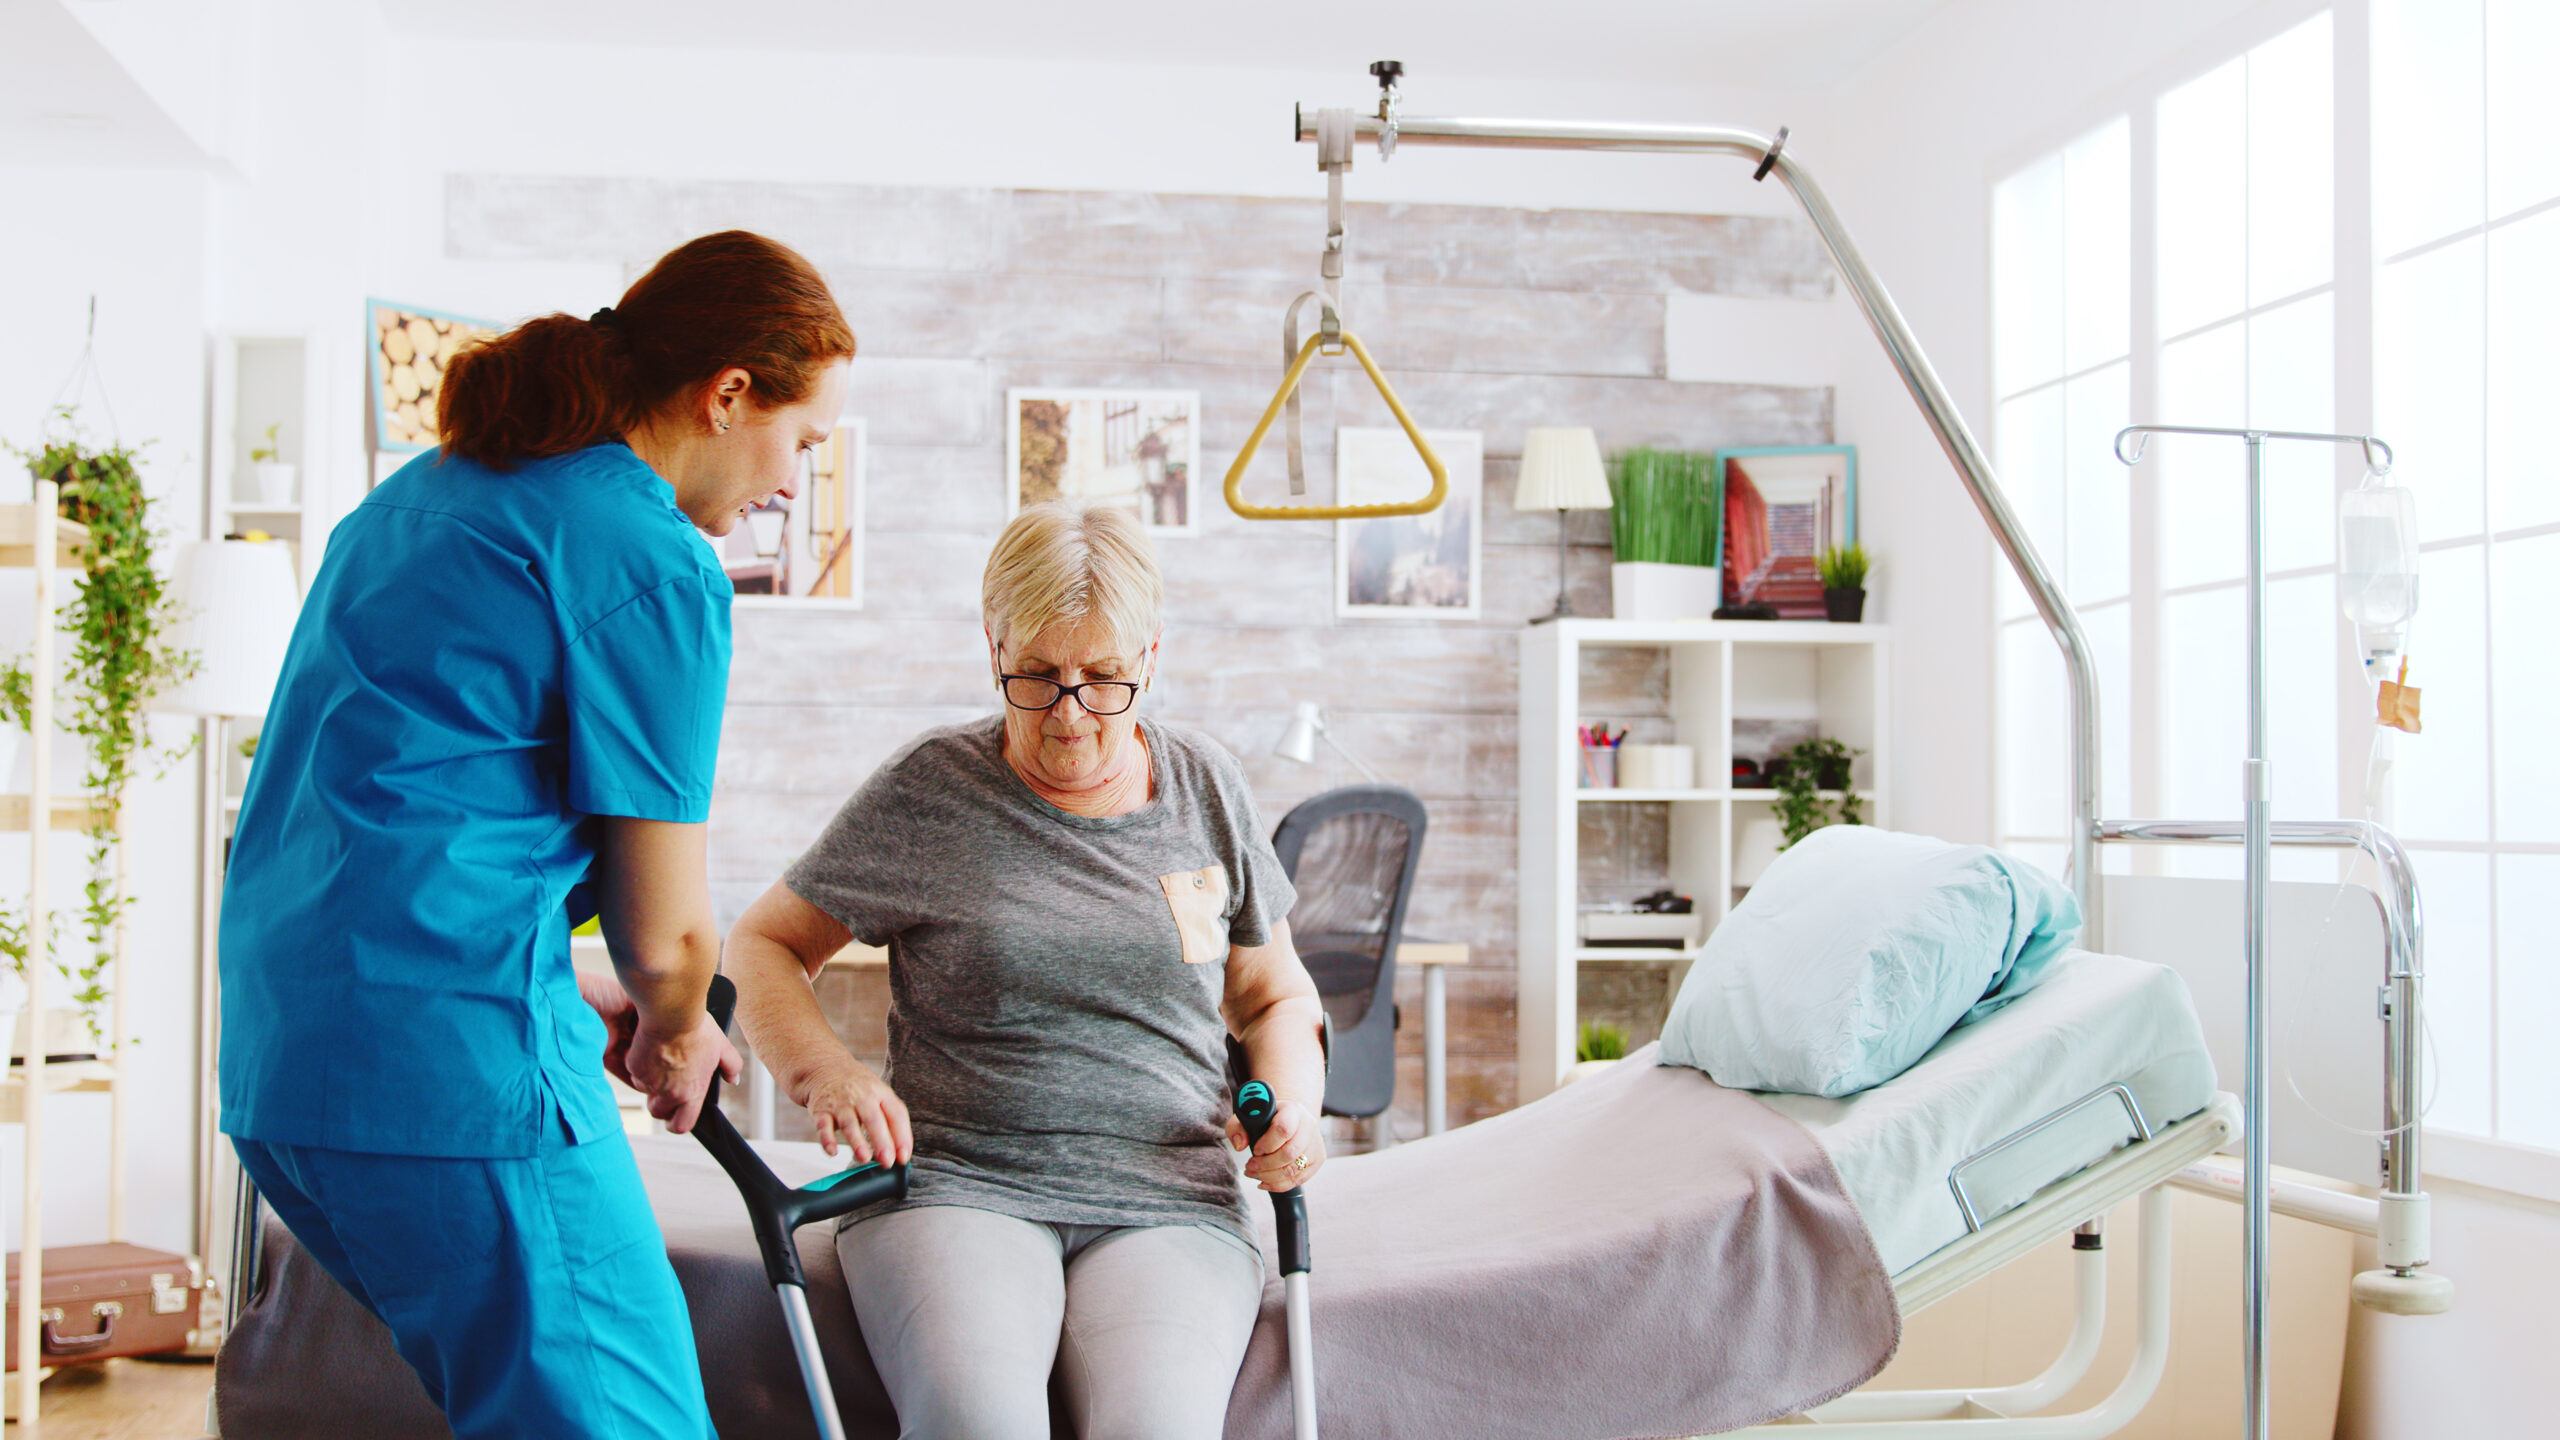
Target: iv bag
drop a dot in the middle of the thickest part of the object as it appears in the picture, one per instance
(2378, 556)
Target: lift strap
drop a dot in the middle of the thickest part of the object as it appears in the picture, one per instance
(1336, 134)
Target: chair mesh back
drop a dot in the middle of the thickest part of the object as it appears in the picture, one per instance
(1346, 879)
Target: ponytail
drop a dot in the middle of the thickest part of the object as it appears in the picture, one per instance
(557, 383)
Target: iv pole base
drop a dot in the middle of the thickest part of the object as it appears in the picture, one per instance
(2403, 1292)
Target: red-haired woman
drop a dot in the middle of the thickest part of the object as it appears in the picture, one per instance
(499, 715)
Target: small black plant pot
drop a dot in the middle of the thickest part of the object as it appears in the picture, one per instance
(1831, 775)
(1845, 606)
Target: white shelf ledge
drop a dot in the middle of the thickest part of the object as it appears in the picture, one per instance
(1632, 955)
(1608, 793)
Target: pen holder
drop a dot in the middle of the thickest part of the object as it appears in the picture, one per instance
(1599, 767)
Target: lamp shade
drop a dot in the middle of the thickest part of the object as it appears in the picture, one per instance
(1298, 742)
(235, 602)
(1560, 470)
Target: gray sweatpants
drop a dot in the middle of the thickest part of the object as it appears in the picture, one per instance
(968, 1312)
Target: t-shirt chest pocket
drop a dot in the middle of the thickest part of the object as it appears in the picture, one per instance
(1198, 899)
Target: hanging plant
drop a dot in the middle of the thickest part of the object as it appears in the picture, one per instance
(119, 617)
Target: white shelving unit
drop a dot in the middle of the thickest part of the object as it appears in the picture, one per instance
(261, 380)
(1835, 677)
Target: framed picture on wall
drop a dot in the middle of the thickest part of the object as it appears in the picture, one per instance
(1408, 567)
(805, 551)
(406, 350)
(1783, 506)
(1140, 448)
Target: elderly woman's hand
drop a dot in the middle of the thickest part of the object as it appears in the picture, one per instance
(853, 1105)
(1290, 1152)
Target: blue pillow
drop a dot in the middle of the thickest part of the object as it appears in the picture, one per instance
(1857, 951)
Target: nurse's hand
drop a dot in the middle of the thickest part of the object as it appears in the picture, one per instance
(852, 1104)
(612, 1004)
(673, 1070)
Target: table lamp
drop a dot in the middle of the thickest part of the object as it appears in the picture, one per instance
(1560, 470)
(235, 601)
(1298, 742)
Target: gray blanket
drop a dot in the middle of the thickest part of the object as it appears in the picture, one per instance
(1644, 1254)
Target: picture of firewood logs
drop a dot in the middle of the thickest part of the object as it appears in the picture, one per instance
(411, 352)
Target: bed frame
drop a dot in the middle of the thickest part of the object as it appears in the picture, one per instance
(2401, 1284)
(2077, 1203)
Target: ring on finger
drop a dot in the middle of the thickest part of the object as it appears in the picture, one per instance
(1298, 1164)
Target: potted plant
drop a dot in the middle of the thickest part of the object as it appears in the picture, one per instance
(1813, 777)
(1844, 582)
(119, 617)
(1599, 1047)
(1662, 524)
(274, 474)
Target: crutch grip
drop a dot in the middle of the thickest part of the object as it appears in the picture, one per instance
(774, 1209)
(1255, 1107)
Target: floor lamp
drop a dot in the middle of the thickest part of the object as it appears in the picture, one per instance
(235, 601)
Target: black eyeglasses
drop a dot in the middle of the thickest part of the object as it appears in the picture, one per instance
(1098, 697)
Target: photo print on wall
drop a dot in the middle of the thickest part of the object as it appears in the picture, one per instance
(805, 551)
(1783, 506)
(1140, 448)
(1408, 567)
(406, 350)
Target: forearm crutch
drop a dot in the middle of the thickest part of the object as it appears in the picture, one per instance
(1254, 1109)
(778, 1211)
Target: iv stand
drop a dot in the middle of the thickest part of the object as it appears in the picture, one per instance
(2257, 794)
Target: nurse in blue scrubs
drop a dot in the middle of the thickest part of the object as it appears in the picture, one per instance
(499, 715)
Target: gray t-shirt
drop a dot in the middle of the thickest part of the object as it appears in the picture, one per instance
(1054, 980)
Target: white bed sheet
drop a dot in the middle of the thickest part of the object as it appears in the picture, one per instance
(2096, 1020)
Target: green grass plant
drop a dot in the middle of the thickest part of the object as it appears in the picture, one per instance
(1601, 1042)
(1663, 506)
(1843, 567)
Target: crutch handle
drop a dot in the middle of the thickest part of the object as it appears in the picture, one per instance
(1255, 1107)
(777, 1210)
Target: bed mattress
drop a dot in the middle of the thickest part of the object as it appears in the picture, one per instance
(2096, 1020)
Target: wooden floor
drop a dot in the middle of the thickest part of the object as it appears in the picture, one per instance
(121, 1400)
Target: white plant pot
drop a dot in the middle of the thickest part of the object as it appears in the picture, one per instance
(67, 1031)
(275, 481)
(1584, 1070)
(1647, 590)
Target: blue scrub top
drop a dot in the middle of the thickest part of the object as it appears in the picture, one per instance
(487, 661)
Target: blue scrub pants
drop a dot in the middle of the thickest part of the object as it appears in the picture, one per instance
(532, 1296)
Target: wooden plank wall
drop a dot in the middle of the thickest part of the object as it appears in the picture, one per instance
(1487, 318)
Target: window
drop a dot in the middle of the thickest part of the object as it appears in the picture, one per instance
(2466, 346)
(2241, 300)
(2233, 174)
(2062, 355)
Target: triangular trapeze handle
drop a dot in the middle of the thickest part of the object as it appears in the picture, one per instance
(1386, 392)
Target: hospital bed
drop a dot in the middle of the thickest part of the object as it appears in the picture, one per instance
(1546, 1274)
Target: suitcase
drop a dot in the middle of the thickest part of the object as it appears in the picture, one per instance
(103, 1301)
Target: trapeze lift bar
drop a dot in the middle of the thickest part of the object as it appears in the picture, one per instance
(1391, 128)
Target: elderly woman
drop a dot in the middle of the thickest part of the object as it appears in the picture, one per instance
(1079, 908)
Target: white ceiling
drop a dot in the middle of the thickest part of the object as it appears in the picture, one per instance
(1761, 44)
(65, 100)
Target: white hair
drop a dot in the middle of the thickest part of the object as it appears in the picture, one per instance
(1074, 560)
